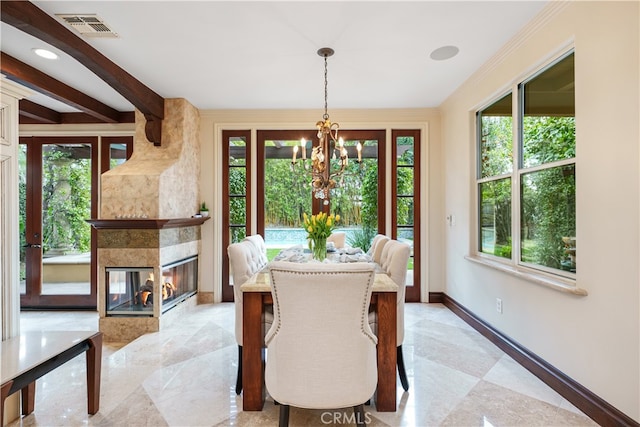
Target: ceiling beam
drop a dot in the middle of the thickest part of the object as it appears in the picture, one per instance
(32, 113)
(28, 18)
(38, 113)
(75, 118)
(40, 82)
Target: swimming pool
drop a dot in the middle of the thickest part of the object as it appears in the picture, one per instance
(285, 237)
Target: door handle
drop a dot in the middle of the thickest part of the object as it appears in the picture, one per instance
(32, 245)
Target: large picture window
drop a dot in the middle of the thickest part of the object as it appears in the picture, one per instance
(526, 190)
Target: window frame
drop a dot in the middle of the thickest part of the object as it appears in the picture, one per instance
(227, 289)
(412, 292)
(548, 276)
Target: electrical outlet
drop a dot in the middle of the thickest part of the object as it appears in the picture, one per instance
(499, 305)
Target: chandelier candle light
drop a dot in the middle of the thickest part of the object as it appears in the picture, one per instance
(322, 180)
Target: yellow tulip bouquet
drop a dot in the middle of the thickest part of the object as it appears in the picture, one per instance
(318, 228)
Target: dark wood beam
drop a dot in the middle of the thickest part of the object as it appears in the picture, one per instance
(38, 113)
(123, 117)
(40, 82)
(28, 18)
(28, 117)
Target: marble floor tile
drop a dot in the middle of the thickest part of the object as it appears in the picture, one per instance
(185, 376)
(509, 374)
(492, 405)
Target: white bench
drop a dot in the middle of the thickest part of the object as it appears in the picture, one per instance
(29, 356)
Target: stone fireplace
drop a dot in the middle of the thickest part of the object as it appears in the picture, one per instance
(146, 228)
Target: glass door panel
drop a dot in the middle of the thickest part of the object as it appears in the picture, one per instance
(358, 197)
(22, 218)
(60, 181)
(285, 190)
(406, 202)
(237, 202)
(236, 209)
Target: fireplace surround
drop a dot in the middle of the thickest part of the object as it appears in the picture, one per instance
(132, 253)
(146, 223)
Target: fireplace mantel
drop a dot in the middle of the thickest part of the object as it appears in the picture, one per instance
(145, 223)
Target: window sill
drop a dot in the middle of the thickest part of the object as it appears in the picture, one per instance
(539, 279)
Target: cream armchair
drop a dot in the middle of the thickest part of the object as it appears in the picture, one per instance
(245, 259)
(321, 350)
(395, 265)
(338, 238)
(377, 246)
(258, 242)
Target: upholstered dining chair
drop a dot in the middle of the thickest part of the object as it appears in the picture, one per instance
(395, 265)
(377, 246)
(245, 259)
(321, 352)
(338, 238)
(258, 242)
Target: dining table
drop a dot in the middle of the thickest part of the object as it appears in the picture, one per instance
(256, 293)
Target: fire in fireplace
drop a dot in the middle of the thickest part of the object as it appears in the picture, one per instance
(131, 291)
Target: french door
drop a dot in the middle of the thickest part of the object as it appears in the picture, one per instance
(284, 191)
(58, 181)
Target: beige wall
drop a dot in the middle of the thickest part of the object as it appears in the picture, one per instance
(213, 122)
(594, 339)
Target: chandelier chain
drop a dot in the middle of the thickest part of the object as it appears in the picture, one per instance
(326, 114)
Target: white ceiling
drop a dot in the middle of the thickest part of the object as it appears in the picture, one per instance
(262, 54)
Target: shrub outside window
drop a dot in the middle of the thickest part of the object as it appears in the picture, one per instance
(526, 191)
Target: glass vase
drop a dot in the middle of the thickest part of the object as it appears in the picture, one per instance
(319, 249)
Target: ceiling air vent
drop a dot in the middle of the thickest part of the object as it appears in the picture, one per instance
(88, 25)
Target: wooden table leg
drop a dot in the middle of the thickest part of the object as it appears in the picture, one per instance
(387, 336)
(94, 370)
(28, 398)
(4, 393)
(252, 353)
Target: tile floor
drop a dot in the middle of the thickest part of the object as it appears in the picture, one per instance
(185, 376)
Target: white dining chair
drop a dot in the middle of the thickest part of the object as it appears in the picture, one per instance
(245, 260)
(377, 246)
(259, 243)
(321, 349)
(395, 265)
(339, 239)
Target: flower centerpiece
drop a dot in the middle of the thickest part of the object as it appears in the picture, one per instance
(319, 227)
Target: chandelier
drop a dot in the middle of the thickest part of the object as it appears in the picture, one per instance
(329, 146)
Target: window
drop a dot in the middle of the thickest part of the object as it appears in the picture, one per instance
(405, 201)
(236, 197)
(495, 167)
(115, 151)
(526, 191)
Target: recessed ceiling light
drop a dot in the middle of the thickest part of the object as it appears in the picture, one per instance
(444, 52)
(45, 53)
